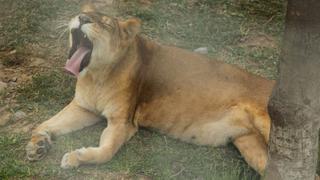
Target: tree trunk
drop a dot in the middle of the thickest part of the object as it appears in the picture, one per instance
(295, 103)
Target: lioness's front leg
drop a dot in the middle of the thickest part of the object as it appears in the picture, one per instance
(112, 138)
(71, 118)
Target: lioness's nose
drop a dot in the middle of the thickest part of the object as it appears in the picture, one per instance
(84, 19)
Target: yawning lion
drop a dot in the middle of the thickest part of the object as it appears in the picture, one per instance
(133, 82)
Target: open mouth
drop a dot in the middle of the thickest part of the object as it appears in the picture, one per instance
(80, 52)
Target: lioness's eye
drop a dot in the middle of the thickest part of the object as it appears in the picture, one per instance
(107, 24)
(105, 19)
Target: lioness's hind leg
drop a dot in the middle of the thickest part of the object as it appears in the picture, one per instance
(71, 118)
(254, 150)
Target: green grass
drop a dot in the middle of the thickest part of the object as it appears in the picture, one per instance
(49, 90)
(23, 21)
(220, 25)
(12, 162)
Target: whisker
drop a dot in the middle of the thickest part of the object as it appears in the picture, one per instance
(61, 23)
(61, 26)
(63, 32)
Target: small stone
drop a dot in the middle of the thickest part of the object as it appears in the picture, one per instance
(14, 79)
(173, 4)
(13, 52)
(201, 50)
(52, 36)
(19, 115)
(3, 86)
(4, 118)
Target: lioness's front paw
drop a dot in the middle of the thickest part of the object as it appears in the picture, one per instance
(70, 160)
(38, 146)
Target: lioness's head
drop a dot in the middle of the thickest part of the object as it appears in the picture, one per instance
(97, 39)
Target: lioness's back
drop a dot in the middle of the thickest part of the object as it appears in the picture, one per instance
(174, 70)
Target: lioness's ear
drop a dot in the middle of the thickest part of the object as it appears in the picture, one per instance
(88, 8)
(131, 27)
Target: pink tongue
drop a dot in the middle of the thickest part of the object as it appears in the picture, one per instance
(73, 64)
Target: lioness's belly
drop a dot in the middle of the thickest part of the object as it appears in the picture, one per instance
(195, 123)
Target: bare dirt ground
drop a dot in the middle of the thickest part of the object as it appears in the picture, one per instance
(33, 86)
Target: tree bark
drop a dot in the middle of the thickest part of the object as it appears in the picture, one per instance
(294, 106)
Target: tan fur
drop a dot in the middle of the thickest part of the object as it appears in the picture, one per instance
(135, 82)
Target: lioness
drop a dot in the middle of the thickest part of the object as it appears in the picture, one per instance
(134, 82)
